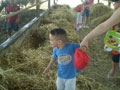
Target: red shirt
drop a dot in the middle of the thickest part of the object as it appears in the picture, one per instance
(79, 9)
(11, 9)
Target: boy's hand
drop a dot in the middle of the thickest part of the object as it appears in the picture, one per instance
(46, 70)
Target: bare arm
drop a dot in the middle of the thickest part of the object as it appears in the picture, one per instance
(101, 28)
(49, 66)
(51, 63)
(105, 26)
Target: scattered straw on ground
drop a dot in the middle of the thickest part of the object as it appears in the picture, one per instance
(23, 69)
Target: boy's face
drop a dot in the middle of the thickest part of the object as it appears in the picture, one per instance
(53, 41)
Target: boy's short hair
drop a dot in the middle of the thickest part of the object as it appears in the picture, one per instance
(59, 33)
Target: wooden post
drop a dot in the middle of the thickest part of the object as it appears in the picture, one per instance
(54, 2)
(109, 3)
(98, 1)
(48, 3)
(37, 6)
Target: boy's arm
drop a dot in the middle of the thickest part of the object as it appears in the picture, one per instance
(49, 66)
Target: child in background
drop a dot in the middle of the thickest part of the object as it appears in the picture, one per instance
(13, 21)
(63, 53)
(79, 18)
(87, 4)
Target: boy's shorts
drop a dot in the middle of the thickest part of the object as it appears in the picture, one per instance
(86, 12)
(66, 84)
(11, 25)
(115, 58)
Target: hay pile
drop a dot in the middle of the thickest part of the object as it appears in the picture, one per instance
(23, 69)
(85, 83)
(99, 13)
(98, 10)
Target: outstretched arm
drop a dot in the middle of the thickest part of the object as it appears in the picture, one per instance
(101, 28)
(49, 66)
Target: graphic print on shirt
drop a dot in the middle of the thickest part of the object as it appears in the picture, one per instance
(64, 59)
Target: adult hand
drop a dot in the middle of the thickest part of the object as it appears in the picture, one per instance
(84, 45)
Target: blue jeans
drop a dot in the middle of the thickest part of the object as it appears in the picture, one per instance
(11, 25)
(66, 84)
(86, 12)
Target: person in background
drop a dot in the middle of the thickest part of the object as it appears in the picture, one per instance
(12, 22)
(86, 12)
(63, 53)
(102, 28)
(79, 18)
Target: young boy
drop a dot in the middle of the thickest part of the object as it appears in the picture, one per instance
(79, 18)
(63, 52)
